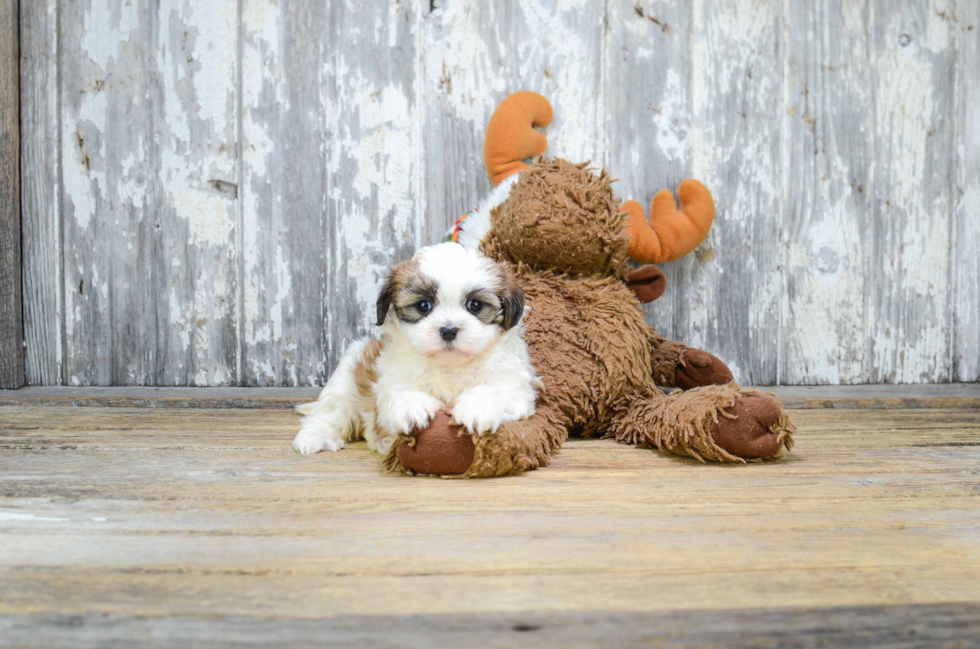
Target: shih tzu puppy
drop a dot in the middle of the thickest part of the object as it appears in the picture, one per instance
(452, 328)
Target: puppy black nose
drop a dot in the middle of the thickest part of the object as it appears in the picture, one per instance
(448, 333)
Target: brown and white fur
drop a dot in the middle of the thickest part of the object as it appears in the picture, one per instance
(452, 322)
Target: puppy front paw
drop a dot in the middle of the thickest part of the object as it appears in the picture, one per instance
(313, 440)
(383, 444)
(478, 414)
(408, 412)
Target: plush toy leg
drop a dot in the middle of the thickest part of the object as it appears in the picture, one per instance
(677, 365)
(723, 423)
(447, 450)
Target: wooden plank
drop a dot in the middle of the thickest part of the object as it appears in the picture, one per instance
(41, 193)
(191, 197)
(147, 397)
(736, 98)
(956, 395)
(283, 298)
(555, 49)
(829, 126)
(932, 626)
(966, 264)
(332, 177)
(11, 303)
(648, 104)
(375, 201)
(911, 199)
(171, 515)
(105, 136)
(946, 395)
(148, 157)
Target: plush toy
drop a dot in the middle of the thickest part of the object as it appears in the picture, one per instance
(568, 241)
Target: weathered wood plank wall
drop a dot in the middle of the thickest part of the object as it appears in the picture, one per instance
(966, 196)
(43, 263)
(11, 306)
(213, 190)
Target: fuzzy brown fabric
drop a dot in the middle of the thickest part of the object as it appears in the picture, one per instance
(445, 449)
(563, 233)
(666, 356)
(519, 445)
(707, 423)
(561, 217)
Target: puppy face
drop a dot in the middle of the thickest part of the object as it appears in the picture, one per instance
(451, 302)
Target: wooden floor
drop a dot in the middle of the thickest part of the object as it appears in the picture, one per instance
(124, 526)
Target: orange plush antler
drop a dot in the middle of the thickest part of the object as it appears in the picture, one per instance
(671, 233)
(510, 136)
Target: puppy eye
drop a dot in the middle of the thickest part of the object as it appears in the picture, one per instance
(474, 306)
(424, 306)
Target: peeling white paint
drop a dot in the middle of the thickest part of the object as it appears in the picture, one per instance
(827, 150)
(261, 24)
(735, 109)
(735, 152)
(914, 259)
(106, 24)
(468, 65)
(208, 101)
(672, 120)
(83, 170)
(381, 156)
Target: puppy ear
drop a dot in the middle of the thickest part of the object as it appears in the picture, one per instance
(511, 303)
(386, 296)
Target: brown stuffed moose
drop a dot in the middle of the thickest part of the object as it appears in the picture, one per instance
(568, 241)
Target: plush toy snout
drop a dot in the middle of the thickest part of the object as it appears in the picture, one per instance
(647, 283)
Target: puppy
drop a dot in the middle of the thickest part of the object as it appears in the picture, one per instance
(452, 338)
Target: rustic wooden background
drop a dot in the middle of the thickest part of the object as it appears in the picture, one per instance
(212, 190)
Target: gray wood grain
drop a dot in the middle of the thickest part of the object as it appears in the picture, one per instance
(188, 294)
(106, 134)
(477, 53)
(332, 177)
(11, 306)
(923, 626)
(212, 192)
(806, 397)
(148, 158)
(966, 241)
(284, 188)
(651, 131)
(736, 97)
(828, 158)
(909, 262)
(376, 166)
(41, 193)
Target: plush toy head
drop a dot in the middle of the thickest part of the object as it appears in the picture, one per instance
(561, 216)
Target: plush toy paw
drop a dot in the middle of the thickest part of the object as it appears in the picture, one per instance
(750, 433)
(700, 368)
(442, 448)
